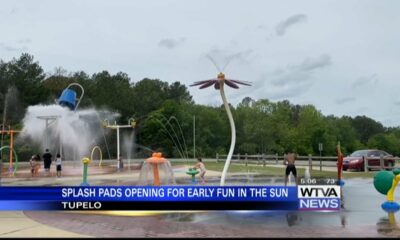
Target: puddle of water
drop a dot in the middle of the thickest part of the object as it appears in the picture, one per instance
(361, 207)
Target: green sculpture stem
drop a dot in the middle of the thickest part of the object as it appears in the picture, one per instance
(85, 170)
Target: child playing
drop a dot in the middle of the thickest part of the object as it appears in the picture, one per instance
(36, 165)
(33, 163)
(200, 165)
(58, 164)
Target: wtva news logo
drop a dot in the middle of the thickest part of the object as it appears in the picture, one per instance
(315, 198)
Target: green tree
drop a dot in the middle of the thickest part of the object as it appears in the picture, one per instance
(366, 127)
(26, 75)
(113, 91)
(386, 142)
(178, 92)
(148, 95)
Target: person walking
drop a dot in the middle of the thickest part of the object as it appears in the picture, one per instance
(47, 158)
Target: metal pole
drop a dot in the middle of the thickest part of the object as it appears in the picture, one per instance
(118, 145)
(320, 148)
(11, 169)
(60, 145)
(194, 137)
(320, 161)
(4, 120)
(46, 133)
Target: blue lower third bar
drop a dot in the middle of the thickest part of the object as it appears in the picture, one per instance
(149, 198)
(31, 205)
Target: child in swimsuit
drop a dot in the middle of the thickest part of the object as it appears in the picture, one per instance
(200, 165)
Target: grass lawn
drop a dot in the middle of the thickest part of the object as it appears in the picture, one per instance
(276, 171)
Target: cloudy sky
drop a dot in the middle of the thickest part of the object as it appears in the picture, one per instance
(342, 56)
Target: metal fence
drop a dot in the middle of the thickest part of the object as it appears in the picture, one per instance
(311, 161)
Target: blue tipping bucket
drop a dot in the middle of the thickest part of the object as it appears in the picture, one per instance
(68, 99)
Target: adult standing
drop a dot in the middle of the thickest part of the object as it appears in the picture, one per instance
(47, 161)
(289, 161)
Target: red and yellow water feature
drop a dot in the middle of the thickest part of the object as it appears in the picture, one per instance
(339, 165)
(11, 168)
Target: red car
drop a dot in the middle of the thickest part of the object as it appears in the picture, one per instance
(356, 159)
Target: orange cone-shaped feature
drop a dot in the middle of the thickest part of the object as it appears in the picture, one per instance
(155, 160)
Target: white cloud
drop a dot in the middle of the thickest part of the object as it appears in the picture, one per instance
(24, 41)
(301, 72)
(10, 48)
(365, 81)
(345, 100)
(171, 43)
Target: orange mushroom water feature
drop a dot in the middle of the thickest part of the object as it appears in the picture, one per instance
(156, 171)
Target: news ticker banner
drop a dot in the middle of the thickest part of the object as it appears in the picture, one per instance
(305, 197)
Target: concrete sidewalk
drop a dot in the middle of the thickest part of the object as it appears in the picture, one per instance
(14, 224)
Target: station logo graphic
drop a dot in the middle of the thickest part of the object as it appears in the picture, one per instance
(315, 197)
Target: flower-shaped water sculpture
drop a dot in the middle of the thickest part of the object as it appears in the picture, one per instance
(219, 83)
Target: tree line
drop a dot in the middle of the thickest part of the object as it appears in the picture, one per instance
(262, 126)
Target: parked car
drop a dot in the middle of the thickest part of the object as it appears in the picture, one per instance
(356, 159)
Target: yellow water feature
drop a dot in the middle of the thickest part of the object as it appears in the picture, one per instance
(101, 154)
(390, 194)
